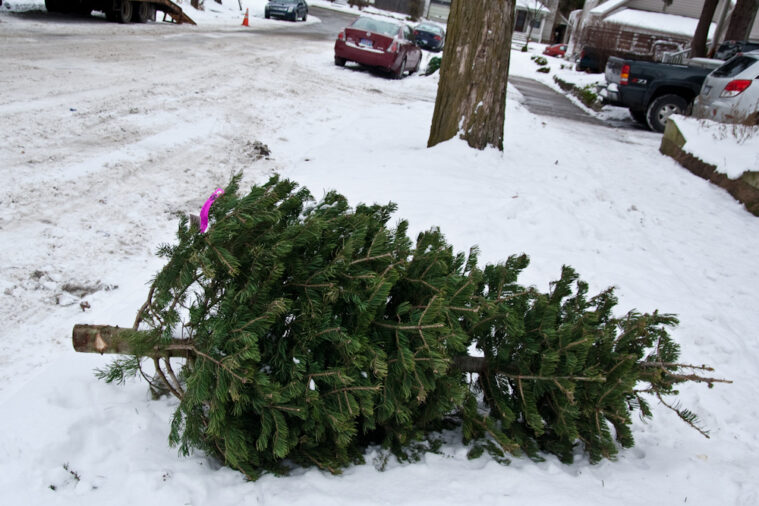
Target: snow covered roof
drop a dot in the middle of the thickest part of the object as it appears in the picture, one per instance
(657, 22)
(607, 7)
(533, 5)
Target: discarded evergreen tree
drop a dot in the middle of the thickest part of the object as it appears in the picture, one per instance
(310, 331)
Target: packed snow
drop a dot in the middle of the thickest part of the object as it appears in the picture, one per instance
(110, 132)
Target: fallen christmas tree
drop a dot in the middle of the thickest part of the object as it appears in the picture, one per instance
(300, 333)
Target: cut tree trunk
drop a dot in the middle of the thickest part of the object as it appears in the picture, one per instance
(471, 95)
(100, 339)
(108, 339)
(114, 340)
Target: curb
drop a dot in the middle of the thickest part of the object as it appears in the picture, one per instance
(745, 189)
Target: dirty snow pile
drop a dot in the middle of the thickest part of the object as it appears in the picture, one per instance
(111, 132)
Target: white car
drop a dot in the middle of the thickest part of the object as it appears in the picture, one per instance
(730, 94)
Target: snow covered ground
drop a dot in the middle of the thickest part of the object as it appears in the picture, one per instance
(110, 131)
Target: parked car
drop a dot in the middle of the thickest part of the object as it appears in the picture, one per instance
(558, 50)
(730, 94)
(381, 43)
(429, 36)
(286, 9)
(653, 91)
(730, 48)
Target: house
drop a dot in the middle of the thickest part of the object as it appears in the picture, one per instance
(531, 20)
(644, 29)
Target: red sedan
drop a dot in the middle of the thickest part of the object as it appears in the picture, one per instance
(381, 43)
(556, 50)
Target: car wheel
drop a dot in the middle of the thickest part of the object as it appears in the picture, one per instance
(305, 16)
(401, 70)
(416, 68)
(340, 62)
(661, 109)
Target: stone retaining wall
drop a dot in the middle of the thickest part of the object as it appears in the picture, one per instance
(745, 189)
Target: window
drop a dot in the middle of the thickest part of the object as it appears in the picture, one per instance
(375, 25)
(734, 66)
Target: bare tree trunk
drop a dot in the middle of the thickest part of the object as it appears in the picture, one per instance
(698, 46)
(471, 96)
(742, 20)
(108, 339)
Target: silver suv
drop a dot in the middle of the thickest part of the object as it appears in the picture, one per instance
(730, 94)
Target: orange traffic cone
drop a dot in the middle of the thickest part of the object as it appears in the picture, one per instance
(245, 20)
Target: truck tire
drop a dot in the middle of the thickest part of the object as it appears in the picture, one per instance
(661, 108)
(125, 11)
(141, 12)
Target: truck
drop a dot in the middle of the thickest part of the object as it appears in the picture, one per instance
(652, 91)
(122, 11)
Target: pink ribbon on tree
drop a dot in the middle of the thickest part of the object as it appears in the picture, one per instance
(206, 208)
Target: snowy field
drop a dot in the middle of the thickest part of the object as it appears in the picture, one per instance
(109, 132)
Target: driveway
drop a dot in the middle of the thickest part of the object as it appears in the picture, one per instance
(541, 99)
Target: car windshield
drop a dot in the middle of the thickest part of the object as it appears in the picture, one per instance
(376, 25)
(735, 66)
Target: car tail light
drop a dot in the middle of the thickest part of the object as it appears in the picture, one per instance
(341, 35)
(735, 88)
(624, 76)
(393, 47)
(437, 37)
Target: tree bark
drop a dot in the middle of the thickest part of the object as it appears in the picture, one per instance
(113, 340)
(742, 19)
(471, 95)
(698, 46)
(465, 363)
(108, 339)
